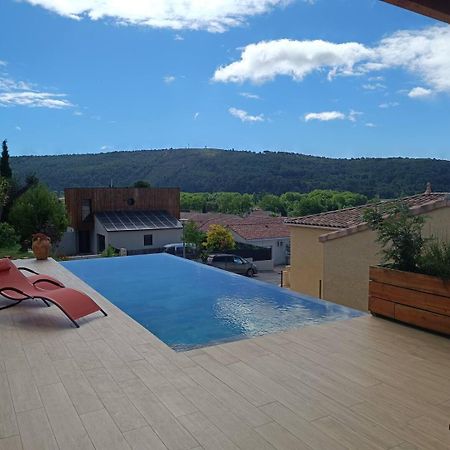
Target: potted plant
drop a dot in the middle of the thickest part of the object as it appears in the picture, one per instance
(41, 246)
(412, 284)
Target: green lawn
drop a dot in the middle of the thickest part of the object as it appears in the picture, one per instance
(14, 252)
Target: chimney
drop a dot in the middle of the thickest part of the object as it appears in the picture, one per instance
(428, 189)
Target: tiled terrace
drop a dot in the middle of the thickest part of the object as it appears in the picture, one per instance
(360, 384)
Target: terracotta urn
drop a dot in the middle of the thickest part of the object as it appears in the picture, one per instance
(41, 246)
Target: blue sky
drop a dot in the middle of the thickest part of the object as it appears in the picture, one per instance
(341, 78)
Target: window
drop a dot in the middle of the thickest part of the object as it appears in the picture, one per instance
(148, 239)
(101, 243)
(86, 208)
(238, 260)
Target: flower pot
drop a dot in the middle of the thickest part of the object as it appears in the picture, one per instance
(41, 246)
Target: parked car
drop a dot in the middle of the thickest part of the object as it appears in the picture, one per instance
(232, 263)
(177, 249)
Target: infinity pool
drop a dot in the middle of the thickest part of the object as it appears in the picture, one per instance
(189, 305)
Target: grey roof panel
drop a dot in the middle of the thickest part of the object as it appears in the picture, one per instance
(137, 220)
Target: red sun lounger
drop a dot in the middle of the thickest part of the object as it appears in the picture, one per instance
(15, 286)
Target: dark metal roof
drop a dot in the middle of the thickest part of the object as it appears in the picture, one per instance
(137, 220)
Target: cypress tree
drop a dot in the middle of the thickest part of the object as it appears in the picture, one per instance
(5, 169)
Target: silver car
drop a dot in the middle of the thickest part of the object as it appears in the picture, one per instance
(232, 263)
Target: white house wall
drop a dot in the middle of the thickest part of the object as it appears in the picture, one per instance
(134, 240)
(278, 251)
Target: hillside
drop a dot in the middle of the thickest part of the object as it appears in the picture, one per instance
(203, 170)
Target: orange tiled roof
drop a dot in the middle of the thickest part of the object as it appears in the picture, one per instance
(352, 217)
(257, 225)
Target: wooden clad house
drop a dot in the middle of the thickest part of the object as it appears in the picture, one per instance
(131, 218)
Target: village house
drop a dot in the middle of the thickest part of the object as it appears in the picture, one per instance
(331, 252)
(259, 228)
(137, 219)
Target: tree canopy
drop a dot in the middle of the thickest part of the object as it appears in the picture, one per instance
(141, 184)
(5, 169)
(288, 204)
(38, 210)
(218, 238)
(192, 234)
(213, 170)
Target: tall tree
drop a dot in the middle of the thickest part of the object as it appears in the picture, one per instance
(5, 169)
(38, 210)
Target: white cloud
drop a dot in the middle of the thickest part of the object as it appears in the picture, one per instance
(178, 37)
(77, 113)
(244, 116)
(196, 115)
(34, 99)
(353, 115)
(18, 128)
(249, 95)
(419, 92)
(8, 84)
(424, 53)
(168, 79)
(265, 60)
(325, 116)
(370, 125)
(212, 15)
(22, 93)
(328, 116)
(388, 105)
(374, 86)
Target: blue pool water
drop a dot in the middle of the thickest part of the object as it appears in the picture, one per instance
(188, 305)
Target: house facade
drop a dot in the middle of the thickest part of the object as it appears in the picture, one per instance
(258, 228)
(331, 252)
(137, 219)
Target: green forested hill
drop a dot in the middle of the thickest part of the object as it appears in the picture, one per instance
(210, 170)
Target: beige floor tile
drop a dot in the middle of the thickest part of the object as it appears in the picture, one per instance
(144, 439)
(174, 436)
(122, 410)
(103, 431)
(77, 386)
(236, 403)
(280, 438)
(64, 420)
(207, 434)
(306, 431)
(24, 391)
(11, 443)
(8, 425)
(35, 430)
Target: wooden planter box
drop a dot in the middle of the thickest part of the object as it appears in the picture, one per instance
(416, 299)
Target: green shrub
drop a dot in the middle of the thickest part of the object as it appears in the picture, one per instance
(219, 238)
(8, 236)
(399, 233)
(109, 252)
(435, 259)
